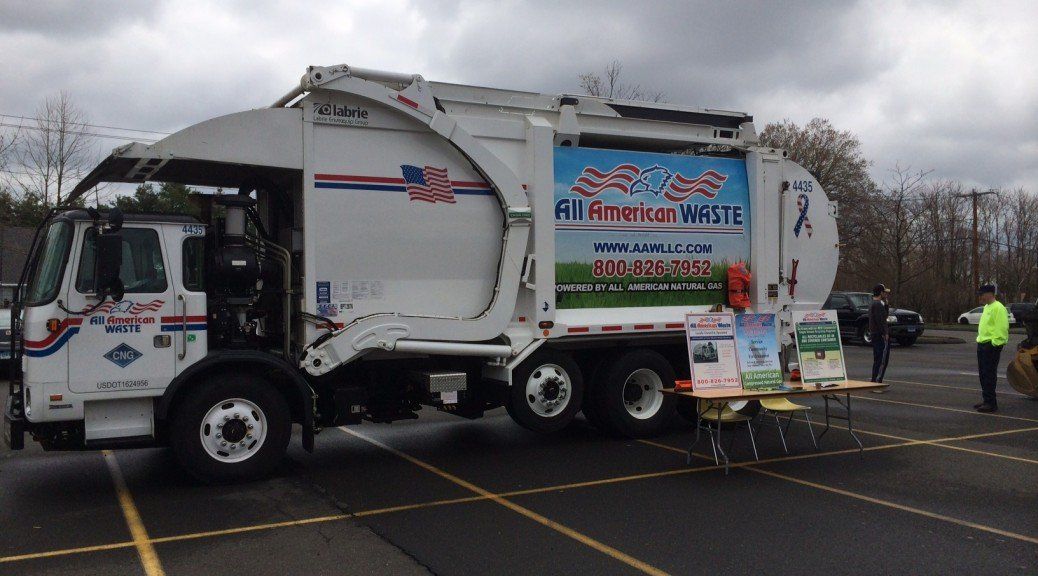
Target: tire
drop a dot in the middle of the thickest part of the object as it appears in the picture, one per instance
(906, 342)
(964, 321)
(547, 391)
(863, 335)
(629, 397)
(588, 407)
(262, 427)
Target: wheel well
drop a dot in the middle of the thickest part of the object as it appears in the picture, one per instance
(276, 378)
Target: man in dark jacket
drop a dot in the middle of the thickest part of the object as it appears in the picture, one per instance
(879, 332)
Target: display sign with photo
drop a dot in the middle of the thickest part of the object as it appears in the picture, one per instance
(758, 347)
(711, 350)
(819, 348)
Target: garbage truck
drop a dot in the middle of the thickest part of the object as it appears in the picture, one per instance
(374, 244)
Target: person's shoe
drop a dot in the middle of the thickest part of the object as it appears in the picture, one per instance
(978, 405)
(987, 408)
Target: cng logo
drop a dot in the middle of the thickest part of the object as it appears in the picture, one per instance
(123, 355)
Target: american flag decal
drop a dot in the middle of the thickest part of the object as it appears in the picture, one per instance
(629, 180)
(125, 306)
(593, 182)
(427, 184)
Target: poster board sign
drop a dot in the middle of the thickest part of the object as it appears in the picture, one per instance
(819, 348)
(646, 229)
(711, 350)
(757, 344)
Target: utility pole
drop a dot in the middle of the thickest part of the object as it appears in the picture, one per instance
(974, 194)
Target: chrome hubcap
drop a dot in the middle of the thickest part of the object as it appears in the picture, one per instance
(233, 430)
(548, 390)
(643, 394)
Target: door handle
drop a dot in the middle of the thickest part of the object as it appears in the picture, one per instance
(183, 328)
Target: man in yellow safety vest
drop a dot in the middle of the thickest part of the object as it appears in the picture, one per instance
(992, 335)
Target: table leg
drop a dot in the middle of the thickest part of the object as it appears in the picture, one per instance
(850, 425)
(826, 398)
(720, 447)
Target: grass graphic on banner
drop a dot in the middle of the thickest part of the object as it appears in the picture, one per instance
(581, 273)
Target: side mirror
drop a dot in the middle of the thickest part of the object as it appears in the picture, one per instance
(115, 220)
(106, 266)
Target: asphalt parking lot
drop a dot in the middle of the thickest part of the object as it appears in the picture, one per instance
(939, 489)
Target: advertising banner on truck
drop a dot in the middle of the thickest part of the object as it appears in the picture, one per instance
(646, 229)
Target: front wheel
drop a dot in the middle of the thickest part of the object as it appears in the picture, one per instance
(546, 391)
(864, 335)
(232, 428)
(964, 321)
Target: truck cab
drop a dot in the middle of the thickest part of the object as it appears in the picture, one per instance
(100, 358)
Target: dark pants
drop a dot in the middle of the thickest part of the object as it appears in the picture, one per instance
(880, 357)
(987, 364)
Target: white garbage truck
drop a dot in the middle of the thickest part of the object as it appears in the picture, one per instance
(376, 243)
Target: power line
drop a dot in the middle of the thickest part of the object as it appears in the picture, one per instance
(83, 133)
(87, 124)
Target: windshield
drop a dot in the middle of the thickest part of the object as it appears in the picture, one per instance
(49, 264)
(860, 300)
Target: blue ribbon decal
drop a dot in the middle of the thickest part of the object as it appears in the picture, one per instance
(802, 203)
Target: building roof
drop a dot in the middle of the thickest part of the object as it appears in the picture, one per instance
(14, 250)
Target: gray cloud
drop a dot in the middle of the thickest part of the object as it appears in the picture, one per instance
(942, 86)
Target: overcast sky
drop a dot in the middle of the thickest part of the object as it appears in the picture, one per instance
(945, 86)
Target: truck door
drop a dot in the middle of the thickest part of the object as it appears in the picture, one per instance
(186, 256)
(122, 346)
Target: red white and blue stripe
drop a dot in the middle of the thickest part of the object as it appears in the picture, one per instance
(177, 323)
(54, 341)
(388, 184)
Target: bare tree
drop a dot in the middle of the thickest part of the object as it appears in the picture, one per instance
(55, 150)
(7, 144)
(610, 86)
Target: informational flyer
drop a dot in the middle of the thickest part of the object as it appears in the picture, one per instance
(711, 350)
(757, 343)
(819, 347)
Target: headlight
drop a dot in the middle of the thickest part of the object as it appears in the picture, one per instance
(891, 319)
(921, 319)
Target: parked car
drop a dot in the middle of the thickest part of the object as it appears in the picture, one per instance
(973, 316)
(5, 337)
(852, 310)
(1019, 310)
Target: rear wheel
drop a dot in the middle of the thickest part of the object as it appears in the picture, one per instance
(629, 398)
(235, 427)
(546, 391)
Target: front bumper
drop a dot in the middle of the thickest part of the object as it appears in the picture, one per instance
(900, 331)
